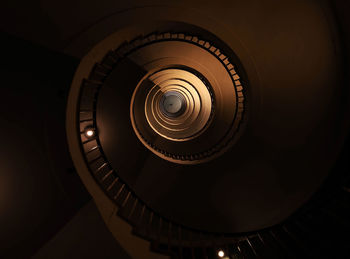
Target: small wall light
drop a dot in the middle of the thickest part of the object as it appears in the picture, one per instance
(89, 132)
(221, 254)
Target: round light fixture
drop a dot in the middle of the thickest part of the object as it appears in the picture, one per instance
(89, 132)
(221, 254)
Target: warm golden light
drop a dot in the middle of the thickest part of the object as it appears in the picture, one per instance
(221, 253)
(188, 107)
(89, 133)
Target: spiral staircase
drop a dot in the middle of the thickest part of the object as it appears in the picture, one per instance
(200, 130)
